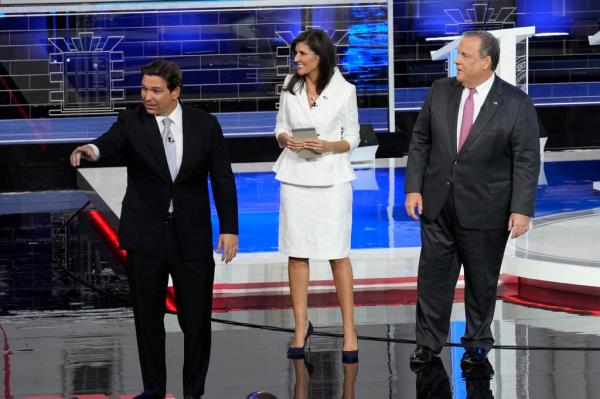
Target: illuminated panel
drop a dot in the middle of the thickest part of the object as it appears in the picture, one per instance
(62, 66)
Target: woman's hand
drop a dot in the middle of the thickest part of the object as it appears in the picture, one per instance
(317, 145)
(291, 143)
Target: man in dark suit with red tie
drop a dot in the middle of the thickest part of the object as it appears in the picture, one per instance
(471, 178)
(165, 226)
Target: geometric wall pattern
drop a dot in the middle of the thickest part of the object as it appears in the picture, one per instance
(552, 59)
(86, 69)
(232, 60)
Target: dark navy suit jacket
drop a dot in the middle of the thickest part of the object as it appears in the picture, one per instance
(496, 171)
(150, 189)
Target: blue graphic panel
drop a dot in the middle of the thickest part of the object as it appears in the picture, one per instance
(548, 16)
(378, 216)
(233, 60)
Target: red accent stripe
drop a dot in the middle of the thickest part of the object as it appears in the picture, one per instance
(570, 298)
(528, 292)
(44, 397)
(388, 297)
(108, 234)
(315, 283)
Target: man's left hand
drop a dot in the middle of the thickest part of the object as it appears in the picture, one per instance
(518, 224)
(229, 244)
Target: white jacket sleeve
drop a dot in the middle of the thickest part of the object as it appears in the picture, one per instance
(282, 121)
(350, 121)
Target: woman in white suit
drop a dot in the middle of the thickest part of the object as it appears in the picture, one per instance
(315, 217)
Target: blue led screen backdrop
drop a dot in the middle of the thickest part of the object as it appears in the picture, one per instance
(64, 66)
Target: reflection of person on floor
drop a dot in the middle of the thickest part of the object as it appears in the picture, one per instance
(303, 371)
(471, 177)
(478, 379)
(315, 217)
(170, 150)
(433, 381)
(350, 373)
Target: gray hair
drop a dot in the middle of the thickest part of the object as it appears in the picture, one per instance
(489, 46)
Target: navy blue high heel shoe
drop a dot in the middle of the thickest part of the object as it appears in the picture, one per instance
(297, 353)
(350, 356)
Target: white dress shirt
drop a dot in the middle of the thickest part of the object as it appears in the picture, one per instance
(176, 131)
(478, 99)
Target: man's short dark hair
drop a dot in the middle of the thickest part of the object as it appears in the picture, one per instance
(489, 46)
(167, 70)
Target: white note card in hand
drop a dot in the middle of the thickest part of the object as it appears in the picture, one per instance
(303, 134)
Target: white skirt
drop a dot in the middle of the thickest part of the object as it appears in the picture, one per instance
(315, 222)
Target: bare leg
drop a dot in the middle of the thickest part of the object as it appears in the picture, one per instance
(298, 273)
(342, 277)
(302, 379)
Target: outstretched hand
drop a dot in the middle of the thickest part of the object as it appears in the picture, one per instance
(85, 151)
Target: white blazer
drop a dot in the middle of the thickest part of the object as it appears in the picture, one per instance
(335, 117)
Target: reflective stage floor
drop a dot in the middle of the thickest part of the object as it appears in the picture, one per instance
(69, 354)
(66, 329)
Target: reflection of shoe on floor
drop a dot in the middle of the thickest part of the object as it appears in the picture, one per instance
(432, 380)
(350, 356)
(474, 356)
(482, 371)
(478, 380)
(261, 395)
(421, 356)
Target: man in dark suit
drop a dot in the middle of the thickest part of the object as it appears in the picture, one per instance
(471, 177)
(165, 224)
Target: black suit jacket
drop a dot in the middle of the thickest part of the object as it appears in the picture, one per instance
(496, 171)
(150, 188)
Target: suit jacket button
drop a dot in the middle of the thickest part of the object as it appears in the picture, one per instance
(448, 183)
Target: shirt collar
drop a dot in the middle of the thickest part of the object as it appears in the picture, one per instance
(486, 86)
(174, 116)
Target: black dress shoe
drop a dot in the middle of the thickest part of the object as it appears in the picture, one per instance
(298, 352)
(421, 355)
(474, 357)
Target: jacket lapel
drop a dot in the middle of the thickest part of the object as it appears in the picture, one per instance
(452, 113)
(326, 103)
(488, 109)
(151, 139)
(303, 103)
(189, 142)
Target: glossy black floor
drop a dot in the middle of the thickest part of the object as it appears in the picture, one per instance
(66, 331)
